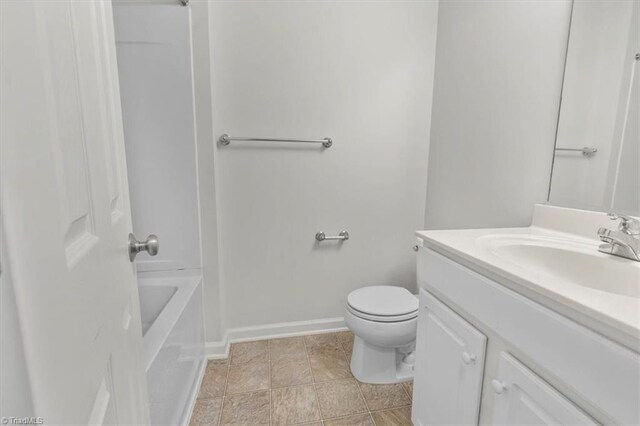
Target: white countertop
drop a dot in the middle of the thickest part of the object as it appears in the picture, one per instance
(614, 315)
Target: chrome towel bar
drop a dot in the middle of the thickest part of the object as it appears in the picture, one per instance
(342, 236)
(226, 140)
(587, 152)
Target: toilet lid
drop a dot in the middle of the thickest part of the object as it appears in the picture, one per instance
(383, 300)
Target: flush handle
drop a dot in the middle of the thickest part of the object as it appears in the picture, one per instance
(151, 245)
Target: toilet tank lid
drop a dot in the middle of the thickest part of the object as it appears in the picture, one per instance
(383, 300)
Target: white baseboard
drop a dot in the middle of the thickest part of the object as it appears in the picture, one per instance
(220, 349)
(216, 350)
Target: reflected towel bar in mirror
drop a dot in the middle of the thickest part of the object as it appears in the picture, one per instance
(587, 152)
(226, 140)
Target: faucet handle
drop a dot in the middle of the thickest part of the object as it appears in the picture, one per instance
(628, 224)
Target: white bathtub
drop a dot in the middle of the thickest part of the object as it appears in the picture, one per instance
(172, 324)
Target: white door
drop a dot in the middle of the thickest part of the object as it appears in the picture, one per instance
(523, 398)
(450, 356)
(66, 212)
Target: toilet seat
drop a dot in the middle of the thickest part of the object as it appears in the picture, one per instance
(383, 304)
(381, 318)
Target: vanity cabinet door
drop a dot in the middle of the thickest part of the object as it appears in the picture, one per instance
(523, 398)
(449, 366)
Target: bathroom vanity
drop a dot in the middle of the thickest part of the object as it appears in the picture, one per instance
(527, 325)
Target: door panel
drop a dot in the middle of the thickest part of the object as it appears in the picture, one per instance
(66, 212)
(448, 378)
(523, 398)
(67, 135)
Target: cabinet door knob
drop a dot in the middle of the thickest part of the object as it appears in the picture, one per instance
(468, 358)
(498, 386)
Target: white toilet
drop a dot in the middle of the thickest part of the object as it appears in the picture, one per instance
(384, 320)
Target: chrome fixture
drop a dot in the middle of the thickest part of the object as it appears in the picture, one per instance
(184, 2)
(226, 140)
(342, 236)
(416, 248)
(625, 242)
(587, 152)
(151, 245)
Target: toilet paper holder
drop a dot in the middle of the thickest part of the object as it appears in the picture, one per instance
(342, 236)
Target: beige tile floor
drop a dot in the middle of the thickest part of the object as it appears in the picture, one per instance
(296, 381)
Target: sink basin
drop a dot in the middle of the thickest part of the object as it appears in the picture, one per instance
(554, 262)
(574, 261)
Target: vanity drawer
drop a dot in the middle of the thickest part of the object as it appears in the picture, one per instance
(601, 372)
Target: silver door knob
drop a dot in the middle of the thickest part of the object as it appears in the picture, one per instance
(151, 245)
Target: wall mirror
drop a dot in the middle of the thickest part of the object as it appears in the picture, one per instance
(596, 163)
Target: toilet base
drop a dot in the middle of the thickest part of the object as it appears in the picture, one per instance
(378, 365)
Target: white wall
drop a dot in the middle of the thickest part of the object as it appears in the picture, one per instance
(497, 85)
(358, 72)
(597, 67)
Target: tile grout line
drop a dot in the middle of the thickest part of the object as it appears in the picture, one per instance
(366, 404)
(313, 379)
(250, 391)
(314, 383)
(370, 412)
(269, 378)
(379, 410)
(224, 392)
(404, 388)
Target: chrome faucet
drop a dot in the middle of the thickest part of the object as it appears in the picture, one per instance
(625, 242)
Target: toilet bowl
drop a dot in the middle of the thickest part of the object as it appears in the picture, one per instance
(384, 320)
